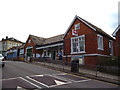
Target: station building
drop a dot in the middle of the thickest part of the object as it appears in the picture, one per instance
(86, 42)
(38, 47)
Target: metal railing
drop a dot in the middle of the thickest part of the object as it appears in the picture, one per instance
(96, 70)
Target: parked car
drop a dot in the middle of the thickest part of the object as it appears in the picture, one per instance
(1, 60)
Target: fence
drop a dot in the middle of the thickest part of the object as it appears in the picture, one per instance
(96, 70)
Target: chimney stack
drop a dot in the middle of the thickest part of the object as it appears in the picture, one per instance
(6, 37)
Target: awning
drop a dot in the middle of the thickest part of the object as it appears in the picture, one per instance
(54, 45)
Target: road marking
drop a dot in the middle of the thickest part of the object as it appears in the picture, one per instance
(18, 87)
(83, 80)
(9, 78)
(37, 81)
(59, 82)
(31, 83)
(61, 78)
(36, 75)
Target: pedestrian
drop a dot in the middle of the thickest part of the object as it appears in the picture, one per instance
(60, 55)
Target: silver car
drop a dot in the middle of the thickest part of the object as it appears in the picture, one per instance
(2, 59)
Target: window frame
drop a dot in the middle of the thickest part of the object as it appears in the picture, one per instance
(100, 48)
(76, 26)
(72, 44)
(111, 47)
(78, 46)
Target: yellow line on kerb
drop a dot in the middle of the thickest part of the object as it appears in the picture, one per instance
(84, 77)
(106, 82)
(95, 80)
(89, 78)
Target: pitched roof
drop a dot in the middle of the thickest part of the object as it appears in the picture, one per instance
(53, 39)
(12, 39)
(44, 41)
(37, 40)
(93, 27)
(116, 30)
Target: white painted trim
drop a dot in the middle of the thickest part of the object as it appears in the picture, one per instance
(88, 55)
(49, 46)
(29, 47)
(86, 23)
(78, 52)
(69, 26)
(81, 21)
(116, 30)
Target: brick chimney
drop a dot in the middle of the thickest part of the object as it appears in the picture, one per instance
(6, 37)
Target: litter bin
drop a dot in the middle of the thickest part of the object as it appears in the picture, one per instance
(75, 65)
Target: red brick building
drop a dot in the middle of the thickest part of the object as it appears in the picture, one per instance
(116, 34)
(31, 44)
(86, 42)
(37, 47)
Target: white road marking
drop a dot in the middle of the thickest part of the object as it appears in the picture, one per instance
(37, 81)
(9, 78)
(31, 83)
(36, 75)
(62, 78)
(18, 87)
(59, 82)
(83, 80)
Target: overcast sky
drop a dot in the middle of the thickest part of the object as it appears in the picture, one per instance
(46, 18)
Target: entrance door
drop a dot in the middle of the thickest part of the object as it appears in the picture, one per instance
(28, 53)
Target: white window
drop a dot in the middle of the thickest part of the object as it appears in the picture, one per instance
(100, 42)
(78, 44)
(81, 44)
(29, 41)
(77, 26)
(74, 44)
(111, 47)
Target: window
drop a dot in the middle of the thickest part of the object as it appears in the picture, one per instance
(111, 47)
(74, 44)
(77, 26)
(100, 42)
(29, 41)
(78, 44)
(10, 43)
(81, 43)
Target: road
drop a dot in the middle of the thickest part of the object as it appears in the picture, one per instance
(20, 75)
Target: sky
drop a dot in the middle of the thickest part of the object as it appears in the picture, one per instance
(47, 18)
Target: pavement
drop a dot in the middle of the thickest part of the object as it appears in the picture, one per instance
(24, 76)
(83, 72)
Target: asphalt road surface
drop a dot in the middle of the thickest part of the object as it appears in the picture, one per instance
(22, 76)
